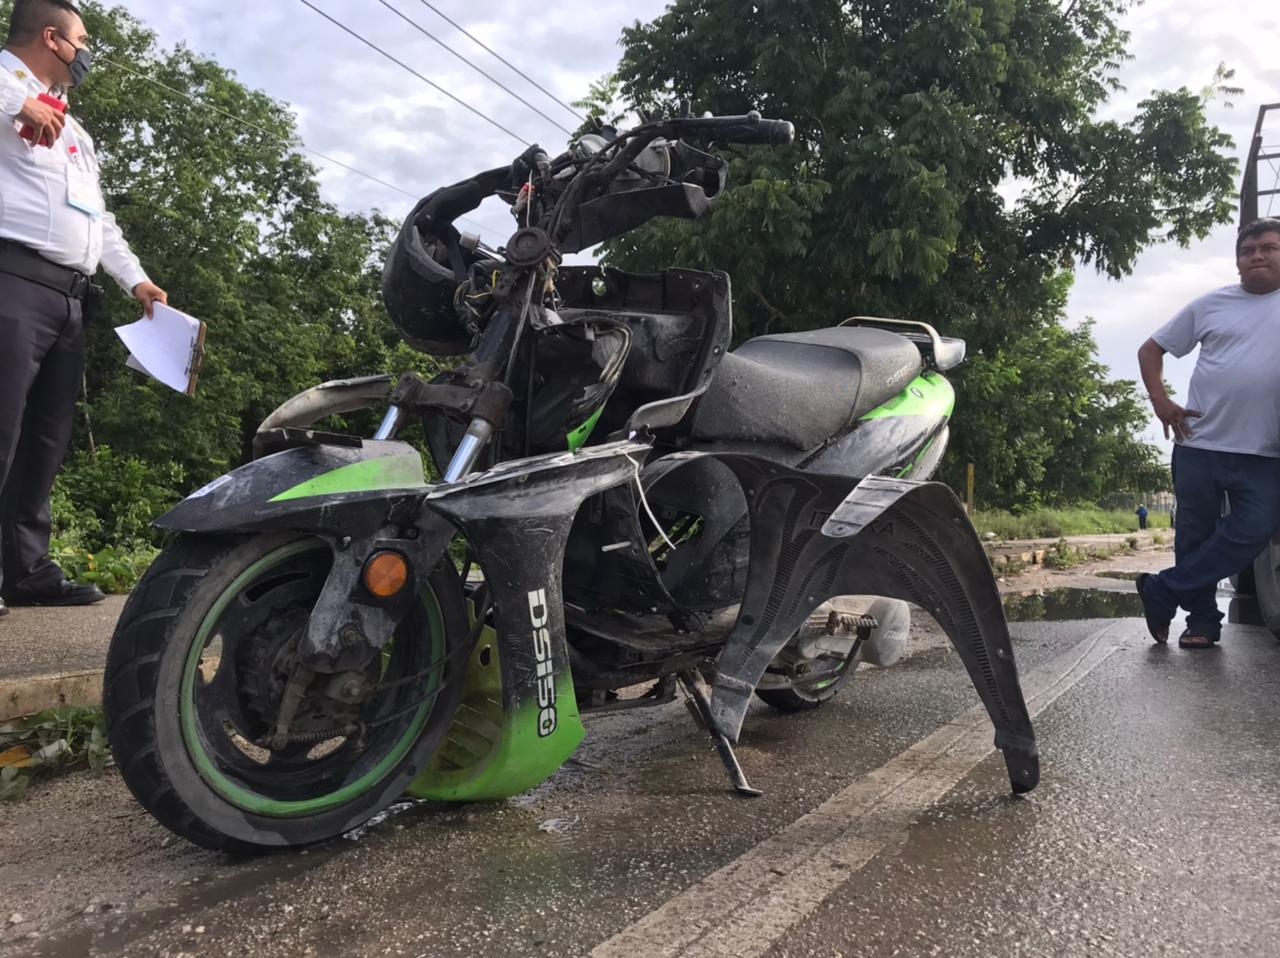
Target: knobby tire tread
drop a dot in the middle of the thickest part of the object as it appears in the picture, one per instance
(139, 642)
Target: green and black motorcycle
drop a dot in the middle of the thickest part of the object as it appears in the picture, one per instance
(625, 504)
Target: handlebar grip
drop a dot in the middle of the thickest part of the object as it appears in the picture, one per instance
(766, 132)
(446, 205)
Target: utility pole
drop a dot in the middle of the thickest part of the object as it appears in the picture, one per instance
(1250, 195)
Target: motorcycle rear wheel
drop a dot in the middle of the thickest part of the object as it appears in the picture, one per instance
(805, 695)
(194, 675)
(1266, 581)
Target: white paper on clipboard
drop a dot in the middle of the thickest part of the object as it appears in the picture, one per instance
(165, 347)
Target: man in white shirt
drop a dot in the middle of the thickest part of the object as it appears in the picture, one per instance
(54, 233)
(1228, 440)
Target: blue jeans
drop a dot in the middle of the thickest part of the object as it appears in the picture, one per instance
(1210, 547)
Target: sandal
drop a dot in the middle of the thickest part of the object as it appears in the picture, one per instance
(1157, 625)
(1194, 640)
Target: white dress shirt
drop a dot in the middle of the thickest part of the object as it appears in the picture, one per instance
(35, 204)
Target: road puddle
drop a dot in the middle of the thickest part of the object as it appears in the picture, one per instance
(1062, 605)
(1065, 605)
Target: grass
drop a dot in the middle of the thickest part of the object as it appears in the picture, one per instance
(1055, 523)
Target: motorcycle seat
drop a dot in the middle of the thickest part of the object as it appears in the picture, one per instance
(801, 389)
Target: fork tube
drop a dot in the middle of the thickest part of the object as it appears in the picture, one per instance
(477, 437)
(391, 424)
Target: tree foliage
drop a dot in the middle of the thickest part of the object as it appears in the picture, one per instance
(955, 160)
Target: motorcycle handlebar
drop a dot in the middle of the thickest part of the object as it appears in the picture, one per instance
(747, 130)
(769, 132)
(440, 210)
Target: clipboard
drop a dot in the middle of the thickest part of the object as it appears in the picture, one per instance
(196, 363)
(170, 348)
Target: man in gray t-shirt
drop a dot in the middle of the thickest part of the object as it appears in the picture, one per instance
(1228, 436)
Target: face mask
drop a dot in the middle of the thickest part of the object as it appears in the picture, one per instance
(79, 65)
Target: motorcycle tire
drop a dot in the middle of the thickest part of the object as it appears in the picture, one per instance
(887, 645)
(1266, 581)
(798, 698)
(203, 645)
(789, 700)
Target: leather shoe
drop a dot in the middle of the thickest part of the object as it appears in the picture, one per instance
(4, 609)
(65, 592)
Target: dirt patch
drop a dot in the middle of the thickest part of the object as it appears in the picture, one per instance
(1114, 573)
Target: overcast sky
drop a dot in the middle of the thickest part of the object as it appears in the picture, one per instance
(369, 113)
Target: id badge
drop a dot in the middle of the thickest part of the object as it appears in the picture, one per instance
(82, 191)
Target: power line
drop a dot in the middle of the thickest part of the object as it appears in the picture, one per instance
(261, 129)
(494, 80)
(405, 66)
(293, 145)
(454, 23)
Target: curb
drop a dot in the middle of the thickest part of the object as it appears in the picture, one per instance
(1034, 552)
(36, 693)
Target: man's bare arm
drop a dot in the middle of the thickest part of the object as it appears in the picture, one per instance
(1173, 416)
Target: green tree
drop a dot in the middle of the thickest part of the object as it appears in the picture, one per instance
(915, 121)
(227, 216)
(1046, 427)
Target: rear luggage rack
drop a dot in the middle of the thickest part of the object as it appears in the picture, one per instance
(939, 352)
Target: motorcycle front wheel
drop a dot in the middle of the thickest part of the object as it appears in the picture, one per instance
(196, 673)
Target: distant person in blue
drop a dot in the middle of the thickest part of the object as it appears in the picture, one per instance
(1142, 517)
(1227, 438)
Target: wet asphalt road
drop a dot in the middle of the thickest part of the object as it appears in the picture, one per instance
(1155, 831)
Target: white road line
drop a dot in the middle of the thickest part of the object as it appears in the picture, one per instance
(742, 909)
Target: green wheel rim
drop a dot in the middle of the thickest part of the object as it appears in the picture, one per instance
(193, 738)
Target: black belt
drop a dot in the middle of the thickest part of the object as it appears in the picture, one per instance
(18, 260)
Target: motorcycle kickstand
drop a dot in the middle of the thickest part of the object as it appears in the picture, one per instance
(700, 706)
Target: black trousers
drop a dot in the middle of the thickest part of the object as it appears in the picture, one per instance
(41, 370)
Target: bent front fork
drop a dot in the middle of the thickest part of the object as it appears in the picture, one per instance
(477, 436)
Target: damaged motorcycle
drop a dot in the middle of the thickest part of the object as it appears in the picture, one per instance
(623, 503)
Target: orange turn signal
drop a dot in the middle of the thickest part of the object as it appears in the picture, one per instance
(385, 574)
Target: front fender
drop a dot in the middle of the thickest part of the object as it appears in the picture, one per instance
(361, 497)
(303, 488)
(814, 537)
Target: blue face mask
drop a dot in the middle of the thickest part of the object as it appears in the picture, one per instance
(79, 65)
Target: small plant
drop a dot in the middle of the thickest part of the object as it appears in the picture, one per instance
(58, 739)
(1159, 539)
(1062, 556)
(1132, 543)
(114, 571)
